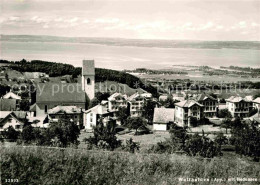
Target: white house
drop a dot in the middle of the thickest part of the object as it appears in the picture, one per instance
(136, 104)
(15, 119)
(74, 113)
(186, 109)
(91, 116)
(209, 103)
(115, 101)
(238, 106)
(162, 118)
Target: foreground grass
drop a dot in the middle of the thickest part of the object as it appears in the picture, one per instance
(68, 166)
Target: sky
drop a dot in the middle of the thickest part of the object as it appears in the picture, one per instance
(138, 19)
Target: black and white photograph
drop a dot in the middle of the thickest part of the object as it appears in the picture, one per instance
(129, 92)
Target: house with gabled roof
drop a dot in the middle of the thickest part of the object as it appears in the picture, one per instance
(50, 95)
(73, 113)
(162, 118)
(209, 103)
(11, 95)
(186, 109)
(238, 106)
(136, 104)
(115, 101)
(16, 119)
(92, 116)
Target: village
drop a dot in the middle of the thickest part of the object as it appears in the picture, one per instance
(199, 112)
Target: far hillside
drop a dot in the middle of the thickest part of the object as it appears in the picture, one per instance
(54, 69)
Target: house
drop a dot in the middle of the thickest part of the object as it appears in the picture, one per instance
(238, 106)
(50, 95)
(8, 105)
(73, 113)
(136, 104)
(115, 101)
(209, 103)
(178, 97)
(92, 116)
(34, 75)
(39, 121)
(163, 97)
(186, 109)
(256, 103)
(11, 95)
(162, 118)
(16, 119)
(146, 95)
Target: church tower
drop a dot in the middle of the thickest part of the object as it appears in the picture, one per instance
(88, 78)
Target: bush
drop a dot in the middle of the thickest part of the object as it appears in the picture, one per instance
(63, 133)
(192, 145)
(202, 146)
(104, 137)
(11, 134)
(246, 140)
(224, 113)
(131, 146)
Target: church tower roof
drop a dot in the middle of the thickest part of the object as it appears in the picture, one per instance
(88, 67)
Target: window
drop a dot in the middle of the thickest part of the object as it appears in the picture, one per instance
(91, 120)
(17, 126)
(46, 108)
(88, 81)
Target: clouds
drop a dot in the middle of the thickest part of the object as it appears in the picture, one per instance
(151, 19)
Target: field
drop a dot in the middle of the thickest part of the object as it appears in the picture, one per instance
(69, 166)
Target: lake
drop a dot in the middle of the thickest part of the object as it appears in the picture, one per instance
(127, 57)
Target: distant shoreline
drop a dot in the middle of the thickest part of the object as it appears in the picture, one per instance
(164, 44)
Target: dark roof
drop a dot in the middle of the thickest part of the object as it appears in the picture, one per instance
(88, 67)
(60, 92)
(202, 97)
(7, 104)
(19, 117)
(187, 103)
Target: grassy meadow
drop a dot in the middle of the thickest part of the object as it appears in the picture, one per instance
(37, 165)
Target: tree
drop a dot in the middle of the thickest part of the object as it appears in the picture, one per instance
(202, 146)
(221, 139)
(226, 123)
(65, 131)
(178, 136)
(104, 137)
(11, 133)
(253, 112)
(122, 114)
(193, 121)
(136, 123)
(256, 95)
(246, 140)
(131, 146)
(6, 76)
(169, 102)
(94, 102)
(27, 134)
(148, 108)
(24, 105)
(224, 113)
(102, 96)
